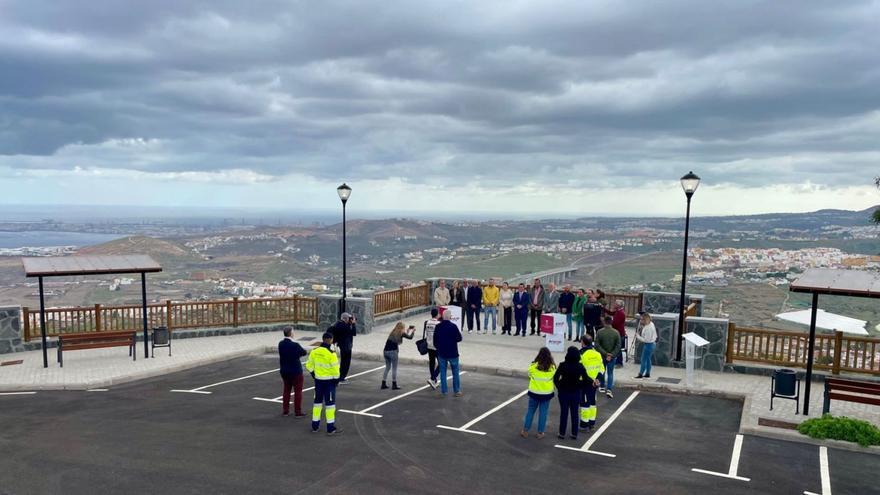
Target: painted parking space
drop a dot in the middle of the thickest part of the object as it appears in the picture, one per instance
(227, 441)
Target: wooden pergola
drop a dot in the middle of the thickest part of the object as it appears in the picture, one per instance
(831, 282)
(71, 266)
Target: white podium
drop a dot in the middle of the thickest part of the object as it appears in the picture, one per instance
(694, 347)
(553, 327)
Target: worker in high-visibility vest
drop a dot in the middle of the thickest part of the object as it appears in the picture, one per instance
(541, 388)
(323, 364)
(595, 366)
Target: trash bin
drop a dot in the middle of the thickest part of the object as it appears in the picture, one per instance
(161, 338)
(785, 384)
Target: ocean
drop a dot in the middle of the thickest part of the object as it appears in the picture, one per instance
(39, 238)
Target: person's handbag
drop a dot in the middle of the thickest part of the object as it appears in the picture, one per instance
(422, 346)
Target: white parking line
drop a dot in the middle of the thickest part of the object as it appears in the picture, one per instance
(201, 390)
(465, 428)
(278, 399)
(824, 472)
(595, 436)
(734, 463)
(98, 390)
(17, 393)
(366, 412)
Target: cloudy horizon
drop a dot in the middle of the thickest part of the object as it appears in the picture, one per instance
(507, 107)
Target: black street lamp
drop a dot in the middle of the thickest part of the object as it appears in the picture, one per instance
(344, 192)
(690, 182)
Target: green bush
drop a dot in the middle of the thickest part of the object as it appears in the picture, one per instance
(841, 428)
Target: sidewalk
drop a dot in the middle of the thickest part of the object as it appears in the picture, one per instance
(506, 355)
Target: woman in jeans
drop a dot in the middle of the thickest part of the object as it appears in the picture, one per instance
(540, 391)
(505, 297)
(570, 379)
(648, 336)
(392, 346)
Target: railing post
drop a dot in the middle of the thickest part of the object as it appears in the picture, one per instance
(731, 330)
(97, 317)
(25, 313)
(168, 314)
(838, 342)
(400, 299)
(234, 311)
(295, 308)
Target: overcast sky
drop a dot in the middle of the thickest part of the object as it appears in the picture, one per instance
(511, 106)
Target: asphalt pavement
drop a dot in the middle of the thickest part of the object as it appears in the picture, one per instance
(222, 432)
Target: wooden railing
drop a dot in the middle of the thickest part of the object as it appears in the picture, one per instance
(396, 300)
(632, 303)
(174, 315)
(835, 352)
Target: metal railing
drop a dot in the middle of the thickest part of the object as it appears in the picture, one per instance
(174, 315)
(835, 352)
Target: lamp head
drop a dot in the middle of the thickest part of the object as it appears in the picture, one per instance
(344, 192)
(690, 182)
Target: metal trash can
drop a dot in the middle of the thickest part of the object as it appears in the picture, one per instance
(161, 337)
(785, 384)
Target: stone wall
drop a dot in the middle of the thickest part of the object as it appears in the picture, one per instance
(10, 329)
(667, 333)
(360, 305)
(715, 331)
(667, 302)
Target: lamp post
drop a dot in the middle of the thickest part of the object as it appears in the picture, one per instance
(689, 183)
(344, 192)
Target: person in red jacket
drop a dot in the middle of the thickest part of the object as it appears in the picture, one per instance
(618, 322)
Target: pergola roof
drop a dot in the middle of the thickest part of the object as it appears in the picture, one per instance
(833, 282)
(65, 266)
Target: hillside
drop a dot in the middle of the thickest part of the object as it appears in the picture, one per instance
(157, 248)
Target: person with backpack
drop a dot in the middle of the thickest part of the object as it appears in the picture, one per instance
(391, 352)
(570, 380)
(541, 373)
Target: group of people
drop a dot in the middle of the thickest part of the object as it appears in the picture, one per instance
(584, 372)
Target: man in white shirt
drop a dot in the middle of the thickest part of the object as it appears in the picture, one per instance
(441, 295)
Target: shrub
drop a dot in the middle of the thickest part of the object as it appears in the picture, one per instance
(841, 428)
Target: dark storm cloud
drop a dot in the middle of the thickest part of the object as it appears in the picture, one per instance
(595, 92)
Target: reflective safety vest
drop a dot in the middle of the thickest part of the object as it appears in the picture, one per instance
(323, 363)
(541, 382)
(593, 363)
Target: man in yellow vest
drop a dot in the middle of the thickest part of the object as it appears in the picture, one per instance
(324, 367)
(595, 365)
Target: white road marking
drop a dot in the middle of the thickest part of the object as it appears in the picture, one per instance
(824, 471)
(465, 428)
(200, 390)
(278, 399)
(595, 436)
(734, 463)
(98, 390)
(364, 412)
(17, 393)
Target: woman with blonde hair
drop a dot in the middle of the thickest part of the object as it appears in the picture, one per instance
(392, 350)
(648, 337)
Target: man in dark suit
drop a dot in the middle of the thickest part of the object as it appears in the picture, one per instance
(474, 303)
(289, 353)
(521, 300)
(343, 336)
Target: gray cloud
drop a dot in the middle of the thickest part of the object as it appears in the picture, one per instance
(597, 93)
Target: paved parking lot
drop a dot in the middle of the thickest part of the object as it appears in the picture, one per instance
(220, 431)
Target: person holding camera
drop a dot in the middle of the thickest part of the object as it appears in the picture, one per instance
(343, 332)
(392, 351)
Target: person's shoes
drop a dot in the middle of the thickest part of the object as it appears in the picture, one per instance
(573, 437)
(601, 390)
(540, 435)
(639, 376)
(609, 394)
(431, 384)
(647, 376)
(524, 334)
(560, 436)
(583, 425)
(334, 432)
(459, 394)
(394, 386)
(315, 430)
(470, 331)
(341, 381)
(285, 414)
(299, 416)
(384, 385)
(524, 434)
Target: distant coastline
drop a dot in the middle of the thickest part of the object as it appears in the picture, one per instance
(37, 238)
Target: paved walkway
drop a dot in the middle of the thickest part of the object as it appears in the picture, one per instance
(101, 368)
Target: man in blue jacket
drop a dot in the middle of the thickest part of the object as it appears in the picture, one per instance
(521, 302)
(446, 339)
(473, 299)
(289, 353)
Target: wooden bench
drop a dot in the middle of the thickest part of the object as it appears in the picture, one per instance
(97, 340)
(850, 391)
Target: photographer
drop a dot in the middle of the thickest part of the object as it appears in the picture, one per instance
(392, 350)
(343, 332)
